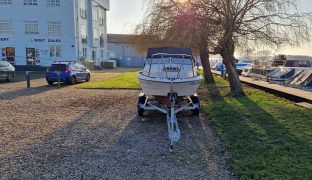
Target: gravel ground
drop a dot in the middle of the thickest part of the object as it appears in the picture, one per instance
(69, 133)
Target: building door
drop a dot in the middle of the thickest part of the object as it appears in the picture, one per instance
(32, 56)
(8, 54)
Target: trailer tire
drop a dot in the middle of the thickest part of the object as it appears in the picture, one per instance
(140, 112)
(195, 100)
(195, 112)
(141, 100)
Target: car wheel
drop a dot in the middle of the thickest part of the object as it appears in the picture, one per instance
(72, 80)
(50, 82)
(88, 78)
(10, 77)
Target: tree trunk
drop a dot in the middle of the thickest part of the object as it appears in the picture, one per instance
(204, 57)
(227, 53)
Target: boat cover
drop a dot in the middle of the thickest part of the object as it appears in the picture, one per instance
(168, 50)
(303, 78)
(282, 74)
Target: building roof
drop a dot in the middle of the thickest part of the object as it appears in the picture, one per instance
(119, 38)
(104, 3)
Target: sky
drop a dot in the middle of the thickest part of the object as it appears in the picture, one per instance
(124, 15)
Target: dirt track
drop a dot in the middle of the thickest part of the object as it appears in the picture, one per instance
(69, 133)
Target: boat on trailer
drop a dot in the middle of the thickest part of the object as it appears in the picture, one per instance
(169, 82)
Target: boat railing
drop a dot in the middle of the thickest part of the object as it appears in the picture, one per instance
(171, 56)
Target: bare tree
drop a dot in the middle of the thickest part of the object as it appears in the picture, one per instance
(222, 24)
(267, 21)
(181, 24)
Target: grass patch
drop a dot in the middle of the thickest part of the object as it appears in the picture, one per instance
(124, 81)
(219, 81)
(268, 137)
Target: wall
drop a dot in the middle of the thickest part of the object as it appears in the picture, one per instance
(125, 56)
(19, 13)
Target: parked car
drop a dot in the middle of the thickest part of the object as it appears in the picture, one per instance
(70, 72)
(7, 71)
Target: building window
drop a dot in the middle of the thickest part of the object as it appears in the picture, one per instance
(55, 51)
(84, 52)
(101, 17)
(95, 34)
(8, 54)
(83, 9)
(102, 40)
(84, 34)
(6, 26)
(102, 53)
(95, 14)
(53, 3)
(5, 2)
(54, 28)
(31, 27)
(30, 2)
(93, 55)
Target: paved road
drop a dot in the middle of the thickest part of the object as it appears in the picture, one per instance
(67, 133)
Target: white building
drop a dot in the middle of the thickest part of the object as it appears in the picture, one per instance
(39, 32)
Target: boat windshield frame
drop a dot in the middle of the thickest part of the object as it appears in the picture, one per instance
(170, 56)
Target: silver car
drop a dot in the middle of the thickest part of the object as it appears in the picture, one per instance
(7, 71)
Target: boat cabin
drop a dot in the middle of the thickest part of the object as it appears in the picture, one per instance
(292, 61)
(169, 66)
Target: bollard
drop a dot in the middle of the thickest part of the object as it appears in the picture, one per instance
(28, 79)
(58, 73)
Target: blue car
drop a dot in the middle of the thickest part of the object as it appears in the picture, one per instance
(70, 72)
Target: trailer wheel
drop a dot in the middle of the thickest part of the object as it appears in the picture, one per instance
(195, 112)
(140, 112)
(195, 101)
(141, 100)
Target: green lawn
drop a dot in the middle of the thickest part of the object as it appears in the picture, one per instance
(124, 81)
(267, 137)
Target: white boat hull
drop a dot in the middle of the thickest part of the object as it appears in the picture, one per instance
(162, 87)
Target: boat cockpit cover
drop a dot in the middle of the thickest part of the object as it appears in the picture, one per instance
(169, 51)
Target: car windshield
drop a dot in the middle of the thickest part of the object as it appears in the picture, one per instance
(57, 67)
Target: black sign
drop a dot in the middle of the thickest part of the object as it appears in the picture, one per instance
(4, 39)
(54, 40)
(39, 40)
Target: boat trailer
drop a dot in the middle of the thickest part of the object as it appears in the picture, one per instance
(171, 106)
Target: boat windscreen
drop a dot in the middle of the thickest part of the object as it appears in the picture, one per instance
(185, 61)
(181, 61)
(158, 60)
